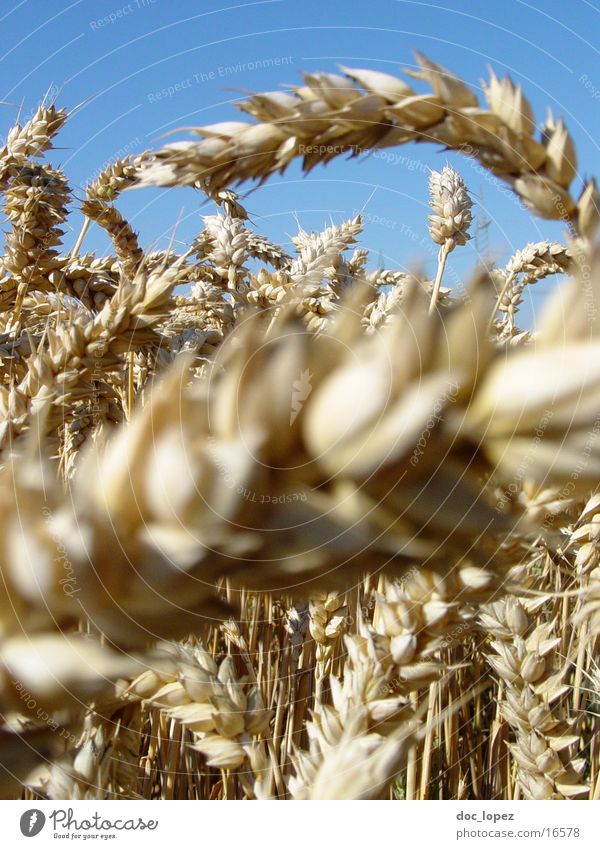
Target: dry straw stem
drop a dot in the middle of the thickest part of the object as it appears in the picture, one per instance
(330, 115)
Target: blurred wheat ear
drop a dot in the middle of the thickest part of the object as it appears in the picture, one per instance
(285, 523)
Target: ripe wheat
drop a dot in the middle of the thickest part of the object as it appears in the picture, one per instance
(303, 529)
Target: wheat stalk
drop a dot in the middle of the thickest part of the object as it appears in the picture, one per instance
(451, 219)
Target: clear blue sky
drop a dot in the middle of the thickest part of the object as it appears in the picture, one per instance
(146, 67)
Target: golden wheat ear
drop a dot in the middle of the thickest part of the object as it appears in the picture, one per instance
(371, 110)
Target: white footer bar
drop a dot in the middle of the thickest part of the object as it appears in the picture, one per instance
(273, 825)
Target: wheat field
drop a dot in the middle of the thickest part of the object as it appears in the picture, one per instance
(283, 526)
